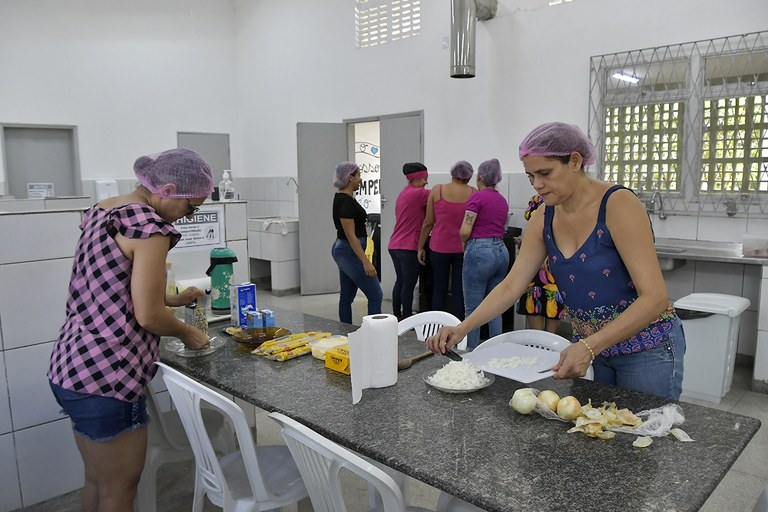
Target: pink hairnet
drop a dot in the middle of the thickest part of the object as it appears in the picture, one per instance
(490, 172)
(342, 173)
(557, 139)
(181, 167)
(462, 170)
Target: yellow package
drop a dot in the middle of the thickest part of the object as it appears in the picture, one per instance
(337, 359)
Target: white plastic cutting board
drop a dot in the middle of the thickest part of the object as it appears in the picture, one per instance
(525, 374)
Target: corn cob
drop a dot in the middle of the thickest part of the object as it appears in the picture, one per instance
(290, 354)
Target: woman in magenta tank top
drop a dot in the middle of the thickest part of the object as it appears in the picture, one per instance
(445, 214)
(599, 241)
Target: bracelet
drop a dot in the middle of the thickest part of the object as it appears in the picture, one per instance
(591, 353)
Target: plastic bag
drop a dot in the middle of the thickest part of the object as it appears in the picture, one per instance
(656, 422)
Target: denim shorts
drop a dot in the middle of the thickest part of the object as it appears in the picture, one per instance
(658, 371)
(100, 418)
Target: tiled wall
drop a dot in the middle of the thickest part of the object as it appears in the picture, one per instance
(35, 437)
(269, 196)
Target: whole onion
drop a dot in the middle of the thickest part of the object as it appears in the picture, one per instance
(569, 408)
(550, 399)
(523, 401)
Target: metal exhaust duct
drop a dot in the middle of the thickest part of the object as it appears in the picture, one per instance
(464, 16)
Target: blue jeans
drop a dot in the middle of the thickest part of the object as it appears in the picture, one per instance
(407, 274)
(485, 265)
(100, 418)
(658, 371)
(445, 265)
(351, 278)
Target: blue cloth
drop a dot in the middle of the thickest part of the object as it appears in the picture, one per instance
(100, 418)
(447, 266)
(596, 287)
(406, 275)
(351, 278)
(485, 265)
(658, 371)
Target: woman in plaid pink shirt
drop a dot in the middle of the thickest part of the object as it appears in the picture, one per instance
(106, 351)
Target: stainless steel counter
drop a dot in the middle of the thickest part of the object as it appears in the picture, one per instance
(724, 252)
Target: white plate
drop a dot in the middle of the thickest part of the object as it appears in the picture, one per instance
(490, 378)
(525, 374)
(175, 346)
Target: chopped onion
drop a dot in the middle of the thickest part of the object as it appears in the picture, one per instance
(458, 375)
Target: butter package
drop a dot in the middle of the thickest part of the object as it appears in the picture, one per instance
(337, 359)
(243, 302)
(320, 347)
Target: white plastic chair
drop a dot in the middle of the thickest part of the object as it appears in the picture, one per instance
(533, 338)
(762, 502)
(255, 478)
(427, 323)
(320, 462)
(168, 443)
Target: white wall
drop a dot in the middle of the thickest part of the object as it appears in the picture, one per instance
(297, 62)
(129, 75)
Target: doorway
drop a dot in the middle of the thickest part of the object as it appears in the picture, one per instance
(321, 146)
(41, 158)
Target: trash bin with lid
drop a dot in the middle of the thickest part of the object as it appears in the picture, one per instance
(711, 325)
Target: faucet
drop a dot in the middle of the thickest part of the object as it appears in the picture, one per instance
(292, 179)
(657, 194)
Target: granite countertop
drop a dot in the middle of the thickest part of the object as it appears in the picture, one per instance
(723, 252)
(474, 445)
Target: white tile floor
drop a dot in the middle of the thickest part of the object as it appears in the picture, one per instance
(738, 491)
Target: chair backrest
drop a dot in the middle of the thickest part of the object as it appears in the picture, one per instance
(534, 338)
(320, 462)
(427, 323)
(189, 396)
(160, 432)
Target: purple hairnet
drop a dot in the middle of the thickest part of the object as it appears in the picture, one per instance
(490, 172)
(181, 167)
(343, 171)
(462, 170)
(557, 139)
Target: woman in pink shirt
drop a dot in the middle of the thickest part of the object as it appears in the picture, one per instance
(410, 210)
(445, 214)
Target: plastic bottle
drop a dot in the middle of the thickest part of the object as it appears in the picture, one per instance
(226, 186)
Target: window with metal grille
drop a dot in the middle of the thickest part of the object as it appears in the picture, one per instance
(735, 145)
(689, 121)
(381, 21)
(642, 146)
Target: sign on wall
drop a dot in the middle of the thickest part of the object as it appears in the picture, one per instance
(205, 229)
(368, 158)
(39, 190)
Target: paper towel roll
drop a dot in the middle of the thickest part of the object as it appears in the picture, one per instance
(373, 354)
(202, 283)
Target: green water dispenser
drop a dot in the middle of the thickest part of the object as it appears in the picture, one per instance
(222, 278)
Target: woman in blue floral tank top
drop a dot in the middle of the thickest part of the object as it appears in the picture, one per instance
(599, 241)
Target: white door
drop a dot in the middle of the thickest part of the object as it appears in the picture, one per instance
(401, 142)
(321, 146)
